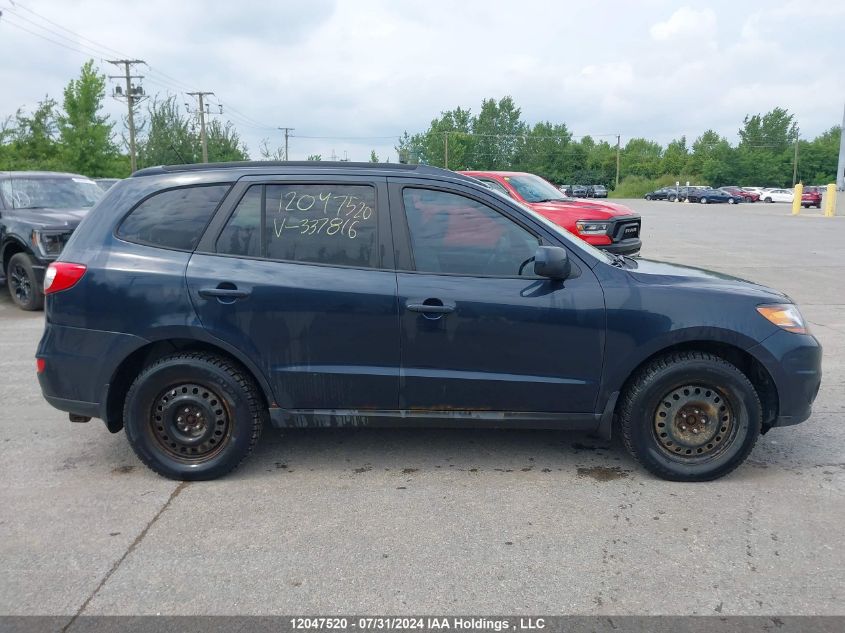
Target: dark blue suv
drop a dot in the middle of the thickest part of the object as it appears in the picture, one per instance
(195, 304)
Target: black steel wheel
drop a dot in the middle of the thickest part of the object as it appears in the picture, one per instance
(22, 283)
(193, 415)
(690, 416)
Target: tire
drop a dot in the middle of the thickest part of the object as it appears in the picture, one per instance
(648, 197)
(819, 205)
(768, 199)
(703, 200)
(700, 384)
(731, 201)
(672, 198)
(193, 416)
(22, 283)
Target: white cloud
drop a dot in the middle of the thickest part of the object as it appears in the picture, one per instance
(685, 23)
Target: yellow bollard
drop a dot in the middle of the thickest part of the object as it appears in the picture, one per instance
(796, 198)
(830, 201)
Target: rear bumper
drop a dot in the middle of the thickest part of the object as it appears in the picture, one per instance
(794, 363)
(79, 365)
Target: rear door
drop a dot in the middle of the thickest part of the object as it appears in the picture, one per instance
(479, 332)
(297, 273)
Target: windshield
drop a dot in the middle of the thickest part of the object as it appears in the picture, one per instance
(50, 192)
(534, 189)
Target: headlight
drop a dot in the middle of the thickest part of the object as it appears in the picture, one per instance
(50, 243)
(785, 316)
(586, 227)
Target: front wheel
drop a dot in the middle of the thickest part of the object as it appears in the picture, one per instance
(672, 198)
(703, 200)
(193, 416)
(648, 197)
(690, 416)
(731, 201)
(768, 199)
(22, 283)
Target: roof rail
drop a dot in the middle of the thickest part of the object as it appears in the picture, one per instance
(262, 164)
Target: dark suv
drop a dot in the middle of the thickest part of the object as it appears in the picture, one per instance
(38, 212)
(196, 304)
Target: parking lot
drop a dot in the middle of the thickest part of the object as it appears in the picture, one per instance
(445, 521)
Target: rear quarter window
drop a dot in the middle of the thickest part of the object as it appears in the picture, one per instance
(175, 218)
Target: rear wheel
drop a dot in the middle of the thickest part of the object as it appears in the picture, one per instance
(22, 284)
(690, 416)
(731, 201)
(703, 200)
(647, 197)
(768, 199)
(672, 198)
(193, 416)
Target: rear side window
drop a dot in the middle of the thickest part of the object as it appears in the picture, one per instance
(175, 218)
(332, 224)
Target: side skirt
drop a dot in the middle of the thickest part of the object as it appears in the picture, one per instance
(305, 418)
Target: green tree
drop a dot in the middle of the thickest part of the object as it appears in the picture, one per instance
(373, 156)
(31, 142)
(766, 148)
(169, 137)
(675, 157)
(817, 158)
(641, 157)
(314, 157)
(547, 150)
(498, 134)
(224, 143)
(85, 133)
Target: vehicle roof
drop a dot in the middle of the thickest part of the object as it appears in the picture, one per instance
(256, 168)
(41, 174)
(469, 172)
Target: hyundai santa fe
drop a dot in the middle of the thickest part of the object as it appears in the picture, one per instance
(195, 305)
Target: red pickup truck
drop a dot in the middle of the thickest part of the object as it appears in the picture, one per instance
(606, 225)
(811, 197)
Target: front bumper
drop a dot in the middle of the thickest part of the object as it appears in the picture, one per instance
(625, 247)
(794, 362)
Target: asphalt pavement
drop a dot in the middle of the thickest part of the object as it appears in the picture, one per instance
(444, 521)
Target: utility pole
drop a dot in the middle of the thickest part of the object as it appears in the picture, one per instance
(200, 95)
(133, 95)
(840, 168)
(618, 150)
(287, 132)
(795, 164)
(446, 150)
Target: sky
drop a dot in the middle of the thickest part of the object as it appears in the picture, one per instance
(351, 76)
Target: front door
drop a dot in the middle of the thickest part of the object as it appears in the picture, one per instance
(299, 278)
(480, 332)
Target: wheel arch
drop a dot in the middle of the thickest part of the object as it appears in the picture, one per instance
(12, 246)
(129, 368)
(743, 360)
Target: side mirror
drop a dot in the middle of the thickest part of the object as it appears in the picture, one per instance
(552, 262)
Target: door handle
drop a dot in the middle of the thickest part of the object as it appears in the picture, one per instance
(430, 306)
(224, 293)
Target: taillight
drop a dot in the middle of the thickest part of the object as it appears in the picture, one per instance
(40, 365)
(61, 276)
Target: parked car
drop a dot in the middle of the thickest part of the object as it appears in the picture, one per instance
(607, 225)
(777, 195)
(660, 194)
(747, 196)
(38, 212)
(578, 191)
(758, 190)
(206, 301)
(710, 196)
(681, 193)
(811, 197)
(106, 183)
(596, 191)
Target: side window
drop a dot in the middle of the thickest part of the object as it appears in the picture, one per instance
(242, 234)
(174, 218)
(496, 186)
(454, 234)
(311, 223)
